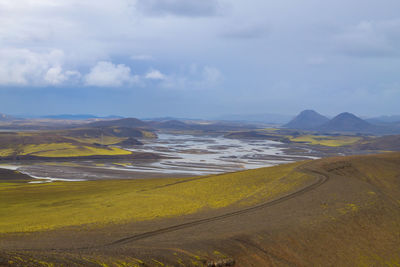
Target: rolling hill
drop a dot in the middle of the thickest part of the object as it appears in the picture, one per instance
(307, 120)
(95, 142)
(171, 124)
(127, 122)
(384, 143)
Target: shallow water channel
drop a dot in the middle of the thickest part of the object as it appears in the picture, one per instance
(187, 155)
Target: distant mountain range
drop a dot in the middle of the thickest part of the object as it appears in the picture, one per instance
(78, 117)
(170, 119)
(127, 122)
(344, 122)
(306, 120)
(261, 118)
(206, 126)
(384, 119)
(4, 117)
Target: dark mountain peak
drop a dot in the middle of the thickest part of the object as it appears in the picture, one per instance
(307, 112)
(347, 122)
(307, 119)
(347, 117)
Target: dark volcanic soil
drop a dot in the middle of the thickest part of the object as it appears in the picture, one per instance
(13, 176)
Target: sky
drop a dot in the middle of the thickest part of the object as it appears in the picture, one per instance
(199, 59)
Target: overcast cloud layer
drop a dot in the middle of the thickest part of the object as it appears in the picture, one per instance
(196, 58)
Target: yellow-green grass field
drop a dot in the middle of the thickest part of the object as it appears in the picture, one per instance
(33, 207)
(305, 137)
(105, 140)
(324, 140)
(67, 143)
(61, 150)
(5, 152)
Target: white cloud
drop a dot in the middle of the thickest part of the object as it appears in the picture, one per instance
(106, 73)
(20, 67)
(370, 39)
(155, 75)
(55, 75)
(211, 75)
(73, 74)
(193, 78)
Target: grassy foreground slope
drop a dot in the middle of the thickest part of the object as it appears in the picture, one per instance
(350, 219)
(32, 207)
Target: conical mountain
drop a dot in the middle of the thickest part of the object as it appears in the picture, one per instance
(347, 122)
(307, 120)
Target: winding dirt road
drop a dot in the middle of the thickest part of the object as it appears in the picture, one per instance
(321, 179)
